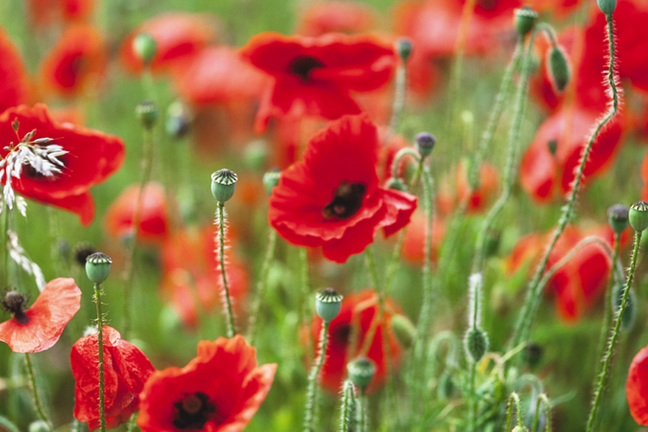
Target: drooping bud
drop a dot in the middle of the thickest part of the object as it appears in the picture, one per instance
(178, 121)
(223, 184)
(445, 386)
(396, 184)
(98, 267)
(38, 426)
(491, 245)
(255, 155)
(147, 113)
(271, 179)
(525, 19)
(145, 47)
(553, 146)
(476, 343)
(404, 330)
(607, 6)
(404, 48)
(361, 371)
(638, 215)
(631, 309)
(328, 304)
(425, 143)
(618, 217)
(559, 73)
(532, 354)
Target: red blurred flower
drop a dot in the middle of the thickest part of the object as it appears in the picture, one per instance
(75, 10)
(218, 391)
(126, 369)
(414, 243)
(77, 61)
(637, 387)
(644, 177)
(357, 314)
(332, 199)
(315, 76)
(178, 36)
(487, 187)
(43, 13)
(557, 8)
(40, 327)
(92, 157)
(14, 81)
(336, 17)
(154, 220)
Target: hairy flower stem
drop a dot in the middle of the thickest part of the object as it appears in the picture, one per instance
(399, 98)
(522, 326)
(261, 286)
(310, 419)
(542, 398)
(514, 399)
(5, 242)
(102, 407)
(598, 393)
(472, 398)
(347, 411)
(229, 315)
(37, 402)
(608, 311)
(363, 425)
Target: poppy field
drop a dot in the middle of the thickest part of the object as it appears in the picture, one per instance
(353, 216)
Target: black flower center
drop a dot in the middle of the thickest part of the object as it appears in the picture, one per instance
(488, 4)
(302, 66)
(347, 200)
(82, 253)
(14, 303)
(341, 334)
(192, 412)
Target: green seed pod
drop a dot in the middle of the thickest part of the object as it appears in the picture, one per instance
(476, 343)
(396, 184)
(98, 267)
(178, 120)
(525, 19)
(145, 47)
(638, 215)
(147, 113)
(445, 387)
(271, 179)
(328, 304)
(618, 217)
(404, 48)
(631, 309)
(607, 6)
(223, 184)
(559, 72)
(404, 330)
(425, 144)
(361, 371)
(38, 426)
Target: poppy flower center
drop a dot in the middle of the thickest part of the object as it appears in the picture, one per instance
(192, 412)
(488, 4)
(33, 173)
(303, 66)
(347, 200)
(341, 334)
(14, 302)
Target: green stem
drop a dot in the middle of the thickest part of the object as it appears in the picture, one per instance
(613, 338)
(102, 411)
(5, 242)
(261, 286)
(364, 416)
(547, 405)
(37, 403)
(229, 315)
(310, 419)
(472, 400)
(514, 399)
(399, 98)
(608, 310)
(347, 411)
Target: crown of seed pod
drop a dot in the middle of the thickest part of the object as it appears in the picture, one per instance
(223, 184)
(559, 72)
(425, 143)
(404, 48)
(328, 303)
(147, 113)
(618, 217)
(607, 6)
(638, 215)
(525, 19)
(145, 47)
(476, 343)
(98, 267)
(361, 371)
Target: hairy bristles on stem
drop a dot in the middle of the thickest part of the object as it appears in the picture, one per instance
(474, 299)
(220, 221)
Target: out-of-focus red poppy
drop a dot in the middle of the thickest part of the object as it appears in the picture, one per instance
(315, 76)
(38, 328)
(154, 220)
(76, 10)
(218, 391)
(178, 36)
(414, 243)
(637, 387)
(332, 199)
(356, 315)
(76, 63)
(14, 81)
(557, 8)
(43, 13)
(126, 369)
(336, 17)
(644, 177)
(486, 190)
(543, 174)
(92, 157)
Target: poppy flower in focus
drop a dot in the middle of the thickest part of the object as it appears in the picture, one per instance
(153, 221)
(177, 35)
(637, 387)
(315, 76)
(332, 199)
(336, 17)
(77, 61)
(91, 157)
(14, 81)
(358, 309)
(487, 187)
(220, 390)
(126, 369)
(39, 327)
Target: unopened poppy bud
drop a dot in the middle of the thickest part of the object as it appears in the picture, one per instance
(328, 304)
(38, 426)
(404, 48)
(631, 309)
(98, 267)
(147, 113)
(404, 330)
(553, 146)
(532, 354)
(255, 155)
(145, 47)
(638, 215)
(492, 242)
(178, 120)
(425, 143)
(618, 218)
(271, 179)
(445, 386)
(559, 73)
(520, 429)
(476, 343)
(361, 371)
(396, 184)
(525, 19)
(607, 6)
(223, 184)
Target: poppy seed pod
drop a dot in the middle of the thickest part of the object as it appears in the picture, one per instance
(328, 304)
(618, 217)
(147, 113)
(361, 371)
(525, 19)
(558, 69)
(271, 179)
(404, 48)
(476, 343)
(223, 184)
(98, 267)
(145, 47)
(425, 143)
(607, 6)
(638, 215)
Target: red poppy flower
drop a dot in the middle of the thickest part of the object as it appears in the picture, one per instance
(75, 10)
(485, 191)
(336, 17)
(315, 76)
(126, 369)
(332, 199)
(218, 391)
(92, 157)
(557, 8)
(154, 221)
(178, 36)
(77, 60)
(358, 311)
(40, 327)
(414, 243)
(644, 177)
(14, 81)
(637, 387)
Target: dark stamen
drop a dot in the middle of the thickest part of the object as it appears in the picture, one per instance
(347, 200)
(14, 303)
(193, 412)
(31, 172)
(302, 66)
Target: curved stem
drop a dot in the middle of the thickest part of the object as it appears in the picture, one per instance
(229, 315)
(102, 410)
(310, 418)
(37, 403)
(261, 286)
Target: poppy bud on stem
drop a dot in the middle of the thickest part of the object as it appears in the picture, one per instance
(404, 49)
(514, 399)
